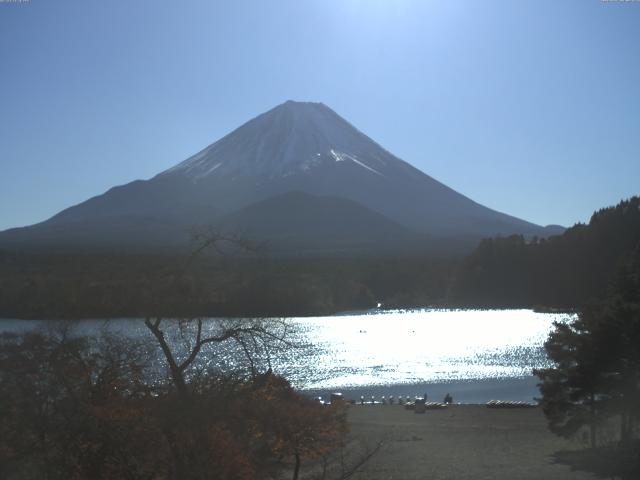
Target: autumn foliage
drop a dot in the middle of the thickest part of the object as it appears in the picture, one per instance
(75, 408)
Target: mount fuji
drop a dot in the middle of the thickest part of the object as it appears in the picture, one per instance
(299, 176)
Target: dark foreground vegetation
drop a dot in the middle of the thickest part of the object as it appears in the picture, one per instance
(73, 407)
(594, 386)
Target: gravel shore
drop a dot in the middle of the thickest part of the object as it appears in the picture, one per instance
(460, 442)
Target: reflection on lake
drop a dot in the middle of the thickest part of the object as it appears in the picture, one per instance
(386, 348)
(425, 346)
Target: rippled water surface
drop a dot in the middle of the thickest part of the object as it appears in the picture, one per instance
(387, 348)
(396, 347)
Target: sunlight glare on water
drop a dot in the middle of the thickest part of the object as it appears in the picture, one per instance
(381, 348)
(398, 347)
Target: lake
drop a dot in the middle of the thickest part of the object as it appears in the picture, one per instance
(476, 355)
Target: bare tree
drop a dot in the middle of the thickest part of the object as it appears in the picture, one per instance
(255, 338)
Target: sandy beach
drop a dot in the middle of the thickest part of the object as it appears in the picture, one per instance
(461, 442)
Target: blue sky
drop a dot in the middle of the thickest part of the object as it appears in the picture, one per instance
(528, 107)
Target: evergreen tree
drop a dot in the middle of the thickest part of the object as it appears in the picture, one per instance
(596, 372)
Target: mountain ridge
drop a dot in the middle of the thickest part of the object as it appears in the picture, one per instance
(294, 147)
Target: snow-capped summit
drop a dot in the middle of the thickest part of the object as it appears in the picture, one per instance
(297, 166)
(292, 138)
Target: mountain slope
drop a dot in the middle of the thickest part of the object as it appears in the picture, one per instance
(300, 222)
(297, 146)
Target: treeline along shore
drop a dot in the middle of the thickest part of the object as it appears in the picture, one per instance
(564, 272)
(110, 285)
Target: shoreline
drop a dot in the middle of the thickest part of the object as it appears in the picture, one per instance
(466, 392)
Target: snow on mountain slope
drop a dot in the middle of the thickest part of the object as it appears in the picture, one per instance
(293, 138)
